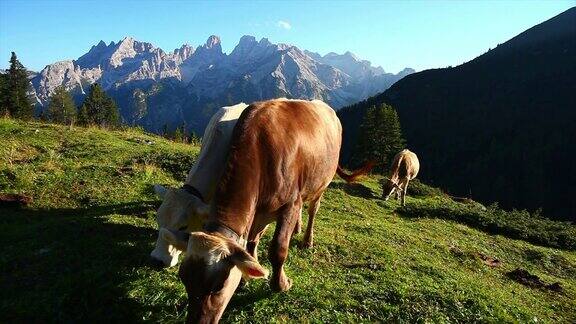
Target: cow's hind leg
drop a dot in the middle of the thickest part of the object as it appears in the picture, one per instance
(308, 241)
(404, 189)
(286, 221)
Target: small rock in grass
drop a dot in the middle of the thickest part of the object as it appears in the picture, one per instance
(14, 200)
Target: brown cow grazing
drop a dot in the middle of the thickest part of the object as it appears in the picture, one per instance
(404, 168)
(283, 153)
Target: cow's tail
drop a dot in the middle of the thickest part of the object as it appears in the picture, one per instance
(356, 173)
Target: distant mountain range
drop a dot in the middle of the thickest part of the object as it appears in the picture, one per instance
(501, 127)
(154, 88)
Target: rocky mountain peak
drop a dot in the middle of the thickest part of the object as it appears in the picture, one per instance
(406, 71)
(352, 56)
(211, 50)
(245, 44)
(248, 49)
(246, 39)
(213, 42)
(184, 52)
(264, 41)
(313, 55)
(128, 40)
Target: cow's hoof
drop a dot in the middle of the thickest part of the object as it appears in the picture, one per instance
(284, 284)
(298, 230)
(306, 244)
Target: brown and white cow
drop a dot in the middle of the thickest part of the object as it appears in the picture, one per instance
(404, 168)
(174, 213)
(283, 154)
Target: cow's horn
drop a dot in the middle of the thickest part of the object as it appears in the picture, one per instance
(160, 190)
(177, 238)
(199, 207)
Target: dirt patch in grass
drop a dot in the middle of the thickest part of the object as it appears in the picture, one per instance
(527, 279)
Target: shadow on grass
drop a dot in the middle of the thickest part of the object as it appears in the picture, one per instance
(514, 224)
(71, 265)
(354, 189)
(244, 299)
(75, 265)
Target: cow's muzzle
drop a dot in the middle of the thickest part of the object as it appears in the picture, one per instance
(157, 264)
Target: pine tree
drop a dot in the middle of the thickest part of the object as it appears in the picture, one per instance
(82, 116)
(3, 94)
(380, 137)
(18, 103)
(98, 109)
(179, 134)
(194, 139)
(165, 131)
(112, 115)
(61, 108)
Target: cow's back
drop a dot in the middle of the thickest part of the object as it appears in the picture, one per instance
(407, 163)
(293, 145)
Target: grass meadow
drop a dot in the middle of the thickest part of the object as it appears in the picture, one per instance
(79, 252)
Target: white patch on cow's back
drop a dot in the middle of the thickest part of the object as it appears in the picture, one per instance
(205, 173)
(223, 114)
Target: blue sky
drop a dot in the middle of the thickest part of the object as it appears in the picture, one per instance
(417, 34)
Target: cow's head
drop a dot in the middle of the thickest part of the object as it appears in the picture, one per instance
(211, 272)
(182, 211)
(389, 187)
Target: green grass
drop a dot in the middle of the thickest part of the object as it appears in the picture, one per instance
(80, 251)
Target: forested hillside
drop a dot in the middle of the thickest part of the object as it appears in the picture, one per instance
(500, 128)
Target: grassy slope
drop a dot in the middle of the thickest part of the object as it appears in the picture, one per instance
(81, 250)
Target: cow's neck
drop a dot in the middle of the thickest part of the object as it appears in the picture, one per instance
(236, 197)
(206, 173)
(205, 182)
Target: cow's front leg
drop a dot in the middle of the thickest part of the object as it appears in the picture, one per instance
(252, 246)
(298, 227)
(287, 218)
(253, 240)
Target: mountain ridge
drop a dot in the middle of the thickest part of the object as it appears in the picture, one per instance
(154, 87)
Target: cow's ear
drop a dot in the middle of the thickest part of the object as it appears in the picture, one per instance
(160, 190)
(199, 208)
(177, 238)
(249, 267)
(203, 210)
